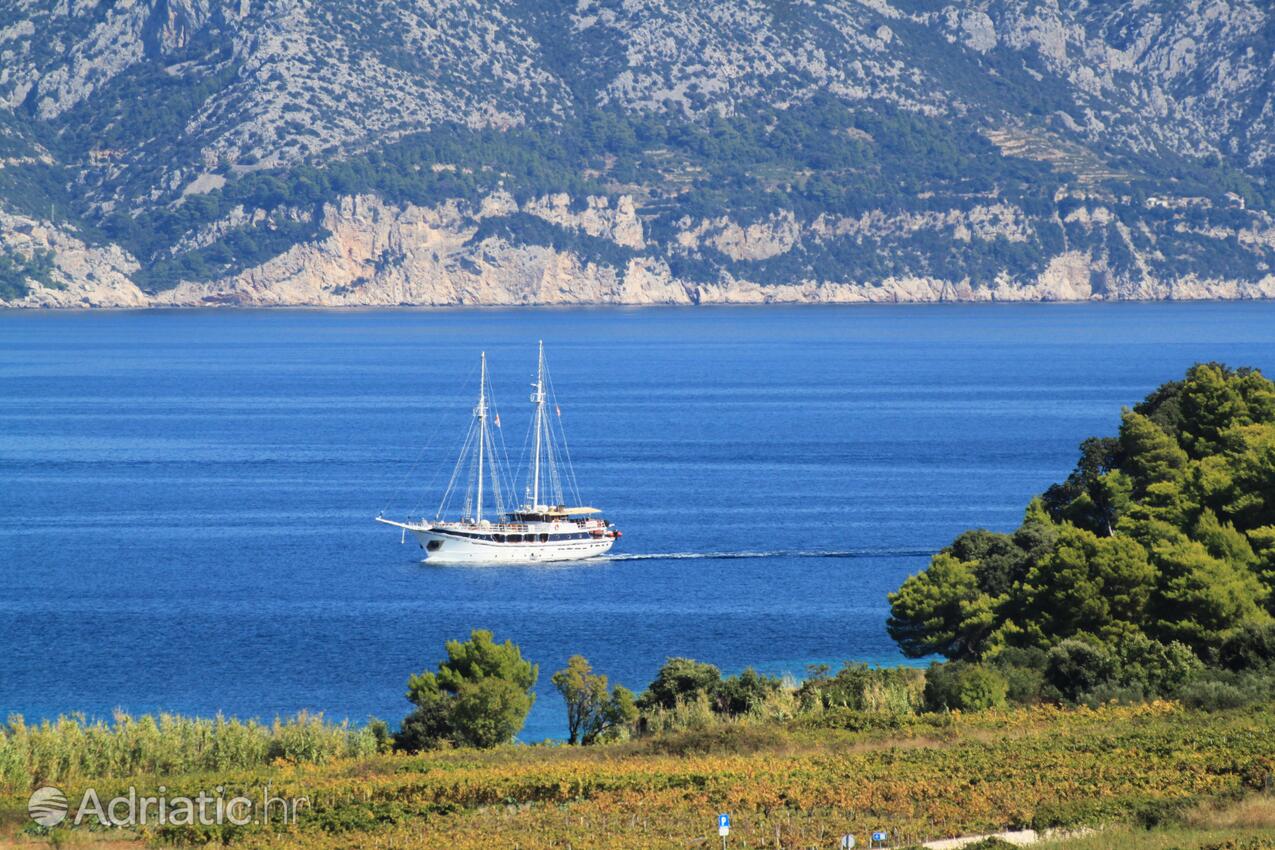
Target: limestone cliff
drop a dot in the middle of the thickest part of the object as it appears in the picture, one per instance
(376, 254)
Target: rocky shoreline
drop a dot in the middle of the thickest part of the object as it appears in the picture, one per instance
(372, 254)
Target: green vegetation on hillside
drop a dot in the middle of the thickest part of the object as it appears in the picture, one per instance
(18, 270)
(819, 157)
(1149, 572)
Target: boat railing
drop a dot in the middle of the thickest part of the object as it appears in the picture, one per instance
(523, 527)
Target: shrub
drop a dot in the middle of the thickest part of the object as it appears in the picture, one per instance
(858, 687)
(680, 680)
(1155, 668)
(964, 686)
(1216, 690)
(1077, 666)
(745, 693)
(693, 713)
(718, 738)
(1212, 695)
(1024, 672)
(1251, 648)
(381, 734)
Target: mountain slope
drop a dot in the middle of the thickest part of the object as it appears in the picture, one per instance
(284, 151)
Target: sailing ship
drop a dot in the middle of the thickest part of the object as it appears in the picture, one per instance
(543, 527)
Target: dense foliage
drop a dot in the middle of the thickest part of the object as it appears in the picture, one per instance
(1153, 561)
(479, 697)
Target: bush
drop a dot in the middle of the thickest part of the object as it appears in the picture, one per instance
(1215, 690)
(745, 693)
(1155, 668)
(693, 713)
(381, 734)
(680, 680)
(858, 687)
(1212, 695)
(851, 720)
(1251, 648)
(1077, 666)
(719, 738)
(1024, 672)
(964, 686)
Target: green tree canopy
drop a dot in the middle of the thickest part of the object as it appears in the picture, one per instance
(479, 697)
(1162, 540)
(594, 711)
(943, 610)
(1086, 583)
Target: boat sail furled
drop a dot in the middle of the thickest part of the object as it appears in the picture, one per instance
(543, 527)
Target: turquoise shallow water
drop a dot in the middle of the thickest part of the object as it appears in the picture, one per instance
(186, 498)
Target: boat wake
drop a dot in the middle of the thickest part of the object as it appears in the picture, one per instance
(777, 553)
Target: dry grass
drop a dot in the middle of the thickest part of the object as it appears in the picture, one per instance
(71, 839)
(1127, 838)
(1257, 812)
(1248, 824)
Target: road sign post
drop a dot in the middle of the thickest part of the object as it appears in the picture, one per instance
(847, 842)
(723, 827)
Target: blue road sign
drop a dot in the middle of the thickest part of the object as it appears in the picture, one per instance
(723, 821)
(880, 836)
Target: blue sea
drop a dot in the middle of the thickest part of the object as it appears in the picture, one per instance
(187, 497)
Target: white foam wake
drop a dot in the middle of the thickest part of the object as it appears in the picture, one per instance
(777, 553)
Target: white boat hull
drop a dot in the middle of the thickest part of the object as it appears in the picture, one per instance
(444, 548)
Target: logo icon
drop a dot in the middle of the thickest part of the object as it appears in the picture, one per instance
(47, 806)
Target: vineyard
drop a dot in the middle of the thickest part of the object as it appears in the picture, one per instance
(794, 785)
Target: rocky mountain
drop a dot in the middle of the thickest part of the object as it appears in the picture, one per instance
(159, 152)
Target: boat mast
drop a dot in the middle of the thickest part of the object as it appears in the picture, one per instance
(481, 412)
(538, 399)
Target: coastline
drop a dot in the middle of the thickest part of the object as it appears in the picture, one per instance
(235, 306)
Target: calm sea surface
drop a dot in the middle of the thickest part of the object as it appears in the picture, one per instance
(186, 498)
